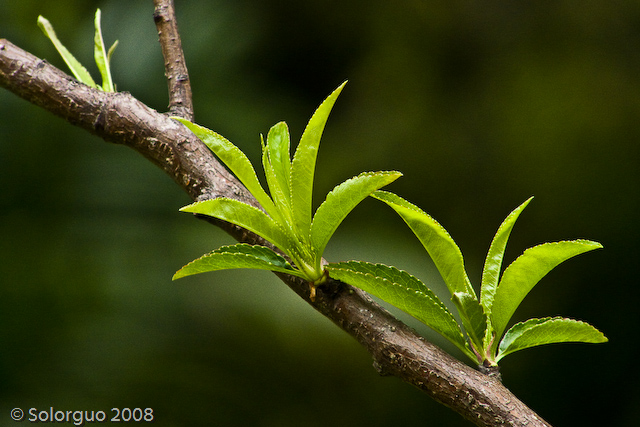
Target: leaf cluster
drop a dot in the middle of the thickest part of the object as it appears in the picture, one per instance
(287, 222)
(484, 319)
(286, 218)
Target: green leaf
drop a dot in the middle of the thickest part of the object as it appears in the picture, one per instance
(493, 262)
(80, 73)
(304, 163)
(245, 216)
(526, 271)
(237, 256)
(341, 200)
(473, 317)
(444, 252)
(280, 200)
(110, 53)
(101, 57)
(535, 332)
(235, 160)
(278, 143)
(404, 291)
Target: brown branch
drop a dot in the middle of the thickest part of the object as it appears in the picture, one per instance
(180, 99)
(396, 349)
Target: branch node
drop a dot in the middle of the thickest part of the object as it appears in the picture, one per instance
(492, 371)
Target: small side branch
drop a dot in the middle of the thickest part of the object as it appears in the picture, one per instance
(180, 97)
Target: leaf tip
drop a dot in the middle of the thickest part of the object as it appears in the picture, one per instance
(188, 208)
(337, 91)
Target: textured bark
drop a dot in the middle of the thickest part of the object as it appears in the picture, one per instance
(180, 100)
(396, 349)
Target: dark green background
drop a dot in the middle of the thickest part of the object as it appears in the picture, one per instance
(479, 104)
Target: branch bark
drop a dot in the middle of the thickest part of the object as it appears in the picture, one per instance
(396, 349)
(180, 98)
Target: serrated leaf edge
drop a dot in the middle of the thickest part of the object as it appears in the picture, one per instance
(285, 246)
(535, 322)
(241, 167)
(305, 158)
(488, 290)
(434, 298)
(288, 268)
(462, 344)
(340, 187)
(405, 204)
(500, 328)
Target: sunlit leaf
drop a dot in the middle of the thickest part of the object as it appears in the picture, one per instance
(79, 72)
(493, 262)
(235, 160)
(237, 256)
(278, 143)
(405, 292)
(526, 271)
(101, 56)
(536, 332)
(304, 163)
(245, 216)
(279, 195)
(444, 252)
(341, 200)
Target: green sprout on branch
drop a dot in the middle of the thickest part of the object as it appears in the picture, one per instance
(299, 236)
(286, 219)
(484, 320)
(102, 57)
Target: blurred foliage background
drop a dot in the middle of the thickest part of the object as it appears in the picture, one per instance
(479, 104)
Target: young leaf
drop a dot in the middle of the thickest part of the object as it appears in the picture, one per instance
(304, 163)
(235, 160)
(526, 271)
(110, 53)
(444, 252)
(405, 292)
(493, 262)
(101, 57)
(79, 72)
(245, 216)
(238, 256)
(341, 200)
(473, 317)
(535, 332)
(279, 195)
(278, 143)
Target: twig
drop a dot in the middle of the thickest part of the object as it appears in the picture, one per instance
(396, 349)
(180, 98)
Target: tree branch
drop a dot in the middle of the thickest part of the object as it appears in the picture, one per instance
(396, 349)
(180, 99)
